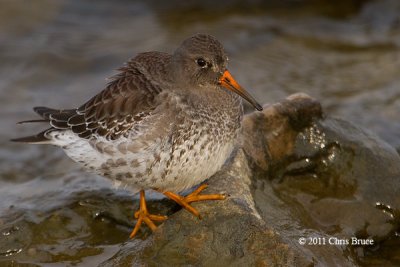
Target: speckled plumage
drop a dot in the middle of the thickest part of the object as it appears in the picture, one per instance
(162, 122)
(159, 152)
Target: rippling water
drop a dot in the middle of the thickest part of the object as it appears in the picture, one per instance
(59, 53)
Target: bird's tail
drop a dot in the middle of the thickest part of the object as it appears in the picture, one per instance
(40, 138)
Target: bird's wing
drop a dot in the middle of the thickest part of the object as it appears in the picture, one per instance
(127, 99)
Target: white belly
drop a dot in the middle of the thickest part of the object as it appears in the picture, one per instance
(137, 165)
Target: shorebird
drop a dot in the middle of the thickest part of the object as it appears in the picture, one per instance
(165, 122)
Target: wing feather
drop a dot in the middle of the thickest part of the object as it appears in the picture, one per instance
(121, 106)
(111, 112)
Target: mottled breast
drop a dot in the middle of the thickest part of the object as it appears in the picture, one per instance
(174, 148)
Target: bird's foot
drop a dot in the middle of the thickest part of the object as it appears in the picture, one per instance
(193, 197)
(142, 215)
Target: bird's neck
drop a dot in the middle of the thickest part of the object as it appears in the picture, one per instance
(215, 99)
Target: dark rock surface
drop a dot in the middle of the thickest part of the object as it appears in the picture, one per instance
(332, 179)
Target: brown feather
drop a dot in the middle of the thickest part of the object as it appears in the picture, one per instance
(130, 94)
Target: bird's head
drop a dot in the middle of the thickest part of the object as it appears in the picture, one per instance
(202, 62)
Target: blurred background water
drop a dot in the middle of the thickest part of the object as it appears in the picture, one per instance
(59, 54)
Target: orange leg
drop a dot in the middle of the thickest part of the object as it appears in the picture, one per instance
(142, 215)
(193, 197)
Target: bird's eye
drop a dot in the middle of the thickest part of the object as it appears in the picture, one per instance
(201, 62)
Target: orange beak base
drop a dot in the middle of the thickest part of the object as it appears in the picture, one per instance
(229, 83)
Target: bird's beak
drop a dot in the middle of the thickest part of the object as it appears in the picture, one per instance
(229, 83)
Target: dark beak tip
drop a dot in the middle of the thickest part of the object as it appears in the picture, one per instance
(259, 107)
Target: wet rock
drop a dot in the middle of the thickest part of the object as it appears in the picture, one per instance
(331, 179)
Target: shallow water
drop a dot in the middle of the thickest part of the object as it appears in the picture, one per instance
(59, 53)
